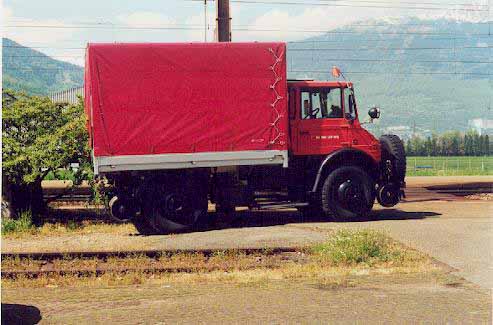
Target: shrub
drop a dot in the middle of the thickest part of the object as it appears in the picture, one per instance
(38, 137)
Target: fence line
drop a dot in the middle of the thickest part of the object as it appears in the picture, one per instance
(67, 96)
(483, 164)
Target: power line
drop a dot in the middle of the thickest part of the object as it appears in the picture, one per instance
(301, 49)
(288, 42)
(325, 59)
(297, 71)
(239, 29)
(382, 2)
(408, 61)
(41, 69)
(407, 2)
(348, 32)
(44, 47)
(349, 5)
(116, 25)
(104, 27)
(397, 73)
(388, 48)
(43, 56)
(389, 40)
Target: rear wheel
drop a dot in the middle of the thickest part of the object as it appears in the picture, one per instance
(143, 226)
(176, 204)
(348, 194)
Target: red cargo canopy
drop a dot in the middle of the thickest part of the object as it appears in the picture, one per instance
(157, 98)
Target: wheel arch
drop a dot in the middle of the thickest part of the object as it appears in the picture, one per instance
(345, 157)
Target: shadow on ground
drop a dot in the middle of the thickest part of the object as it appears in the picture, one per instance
(463, 189)
(20, 314)
(241, 219)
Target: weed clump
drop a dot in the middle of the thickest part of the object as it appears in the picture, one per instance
(23, 224)
(351, 247)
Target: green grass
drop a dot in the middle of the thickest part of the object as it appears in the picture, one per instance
(449, 166)
(352, 247)
(24, 224)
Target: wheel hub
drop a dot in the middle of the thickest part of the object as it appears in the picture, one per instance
(351, 195)
(388, 195)
(173, 203)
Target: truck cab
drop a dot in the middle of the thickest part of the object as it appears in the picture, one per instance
(324, 119)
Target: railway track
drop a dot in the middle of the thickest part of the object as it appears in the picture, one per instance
(84, 264)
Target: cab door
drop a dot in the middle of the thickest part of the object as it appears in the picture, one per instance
(320, 125)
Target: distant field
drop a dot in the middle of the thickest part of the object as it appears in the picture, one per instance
(449, 166)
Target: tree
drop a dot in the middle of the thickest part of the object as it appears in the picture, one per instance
(38, 137)
(428, 147)
(476, 145)
(434, 145)
(409, 148)
(487, 145)
(467, 145)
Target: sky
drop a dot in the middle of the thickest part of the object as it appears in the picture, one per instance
(61, 28)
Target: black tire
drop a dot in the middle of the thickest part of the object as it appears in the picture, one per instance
(225, 208)
(143, 226)
(311, 212)
(348, 194)
(393, 151)
(177, 205)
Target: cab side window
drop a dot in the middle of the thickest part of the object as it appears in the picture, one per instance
(321, 103)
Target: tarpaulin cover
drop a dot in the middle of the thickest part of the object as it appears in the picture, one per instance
(158, 98)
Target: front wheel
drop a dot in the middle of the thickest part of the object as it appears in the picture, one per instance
(348, 194)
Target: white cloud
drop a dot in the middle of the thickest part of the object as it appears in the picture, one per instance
(287, 26)
(47, 40)
(21, 29)
(145, 18)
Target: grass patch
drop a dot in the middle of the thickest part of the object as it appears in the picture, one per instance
(368, 247)
(347, 254)
(449, 166)
(22, 225)
(23, 228)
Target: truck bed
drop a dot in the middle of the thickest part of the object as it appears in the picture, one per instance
(185, 105)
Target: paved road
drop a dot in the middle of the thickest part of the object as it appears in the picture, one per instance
(459, 234)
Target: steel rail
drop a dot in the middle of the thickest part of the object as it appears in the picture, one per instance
(50, 256)
(47, 268)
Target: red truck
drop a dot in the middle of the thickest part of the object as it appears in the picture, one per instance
(174, 125)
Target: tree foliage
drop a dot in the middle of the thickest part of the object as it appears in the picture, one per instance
(38, 137)
(450, 144)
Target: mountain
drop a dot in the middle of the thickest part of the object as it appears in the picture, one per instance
(34, 72)
(428, 75)
(431, 75)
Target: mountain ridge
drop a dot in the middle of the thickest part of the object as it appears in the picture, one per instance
(34, 72)
(436, 74)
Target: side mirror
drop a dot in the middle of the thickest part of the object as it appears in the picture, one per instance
(374, 112)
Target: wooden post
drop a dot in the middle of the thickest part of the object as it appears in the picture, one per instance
(223, 21)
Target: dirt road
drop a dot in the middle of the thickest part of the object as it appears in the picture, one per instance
(376, 299)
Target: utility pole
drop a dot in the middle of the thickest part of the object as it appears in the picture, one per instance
(205, 21)
(223, 19)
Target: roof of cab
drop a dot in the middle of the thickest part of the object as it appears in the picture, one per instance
(311, 83)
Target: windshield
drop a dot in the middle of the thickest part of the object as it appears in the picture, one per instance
(319, 103)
